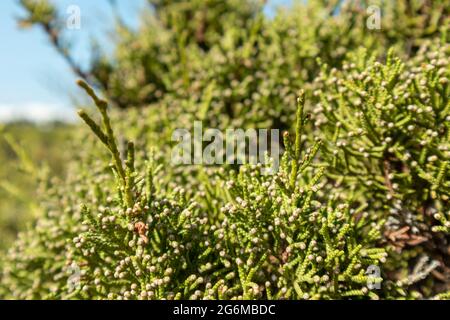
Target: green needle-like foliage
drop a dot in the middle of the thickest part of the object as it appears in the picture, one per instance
(386, 127)
(269, 237)
(358, 209)
(386, 132)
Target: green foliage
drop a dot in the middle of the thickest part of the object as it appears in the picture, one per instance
(387, 126)
(386, 133)
(363, 182)
(255, 240)
(27, 153)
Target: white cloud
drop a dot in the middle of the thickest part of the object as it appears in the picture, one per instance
(36, 112)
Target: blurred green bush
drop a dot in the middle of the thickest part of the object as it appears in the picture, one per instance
(24, 147)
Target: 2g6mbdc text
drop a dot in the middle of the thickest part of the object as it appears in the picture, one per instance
(251, 309)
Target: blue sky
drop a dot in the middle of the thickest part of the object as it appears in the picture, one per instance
(35, 82)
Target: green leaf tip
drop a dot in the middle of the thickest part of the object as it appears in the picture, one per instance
(100, 103)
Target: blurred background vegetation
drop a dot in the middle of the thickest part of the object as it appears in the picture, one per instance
(27, 150)
(36, 104)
